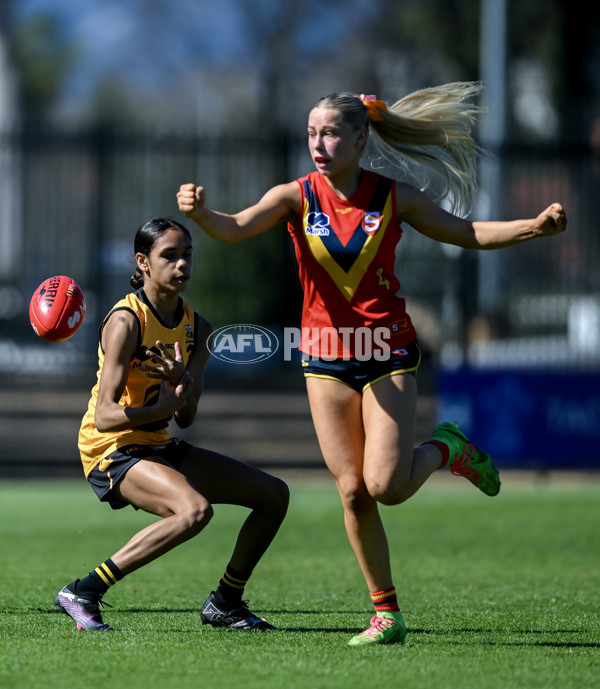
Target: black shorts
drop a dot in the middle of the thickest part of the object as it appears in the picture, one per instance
(105, 475)
(360, 375)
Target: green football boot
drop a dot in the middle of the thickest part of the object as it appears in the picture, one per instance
(466, 460)
(386, 628)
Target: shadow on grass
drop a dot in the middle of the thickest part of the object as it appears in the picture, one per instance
(531, 641)
(135, 611)
(531, 637)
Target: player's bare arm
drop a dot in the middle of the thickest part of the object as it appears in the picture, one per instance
(119, 340)
(278, 204)
(428, 218)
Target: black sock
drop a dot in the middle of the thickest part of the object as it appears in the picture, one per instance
(232, 584)
(99, 580)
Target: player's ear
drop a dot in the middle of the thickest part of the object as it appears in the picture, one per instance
(362, 137)
(142, 263)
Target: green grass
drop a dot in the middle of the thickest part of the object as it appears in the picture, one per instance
(499, 592)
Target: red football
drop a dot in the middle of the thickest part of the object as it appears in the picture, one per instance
(57, 308)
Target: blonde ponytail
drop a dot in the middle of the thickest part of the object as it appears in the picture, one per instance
(433, 128)
(427, 135)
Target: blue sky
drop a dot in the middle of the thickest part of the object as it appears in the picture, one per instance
(188, 34)
(109, 37)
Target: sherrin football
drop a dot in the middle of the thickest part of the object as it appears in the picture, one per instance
(57, 308)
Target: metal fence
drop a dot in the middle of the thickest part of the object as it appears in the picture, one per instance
(70, 204)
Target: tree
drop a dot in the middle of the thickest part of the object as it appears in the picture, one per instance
(43, 59)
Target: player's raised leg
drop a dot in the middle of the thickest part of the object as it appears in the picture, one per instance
(394, 470)
(464, 459)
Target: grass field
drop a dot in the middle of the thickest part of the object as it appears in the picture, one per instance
(501, 592)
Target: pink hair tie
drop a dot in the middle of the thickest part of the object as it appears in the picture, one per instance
(374, 107)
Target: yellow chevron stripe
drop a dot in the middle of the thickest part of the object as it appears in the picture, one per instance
(348, 282)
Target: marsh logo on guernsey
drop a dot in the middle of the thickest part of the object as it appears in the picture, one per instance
(372, 221)
(242, 344)
(317, 223)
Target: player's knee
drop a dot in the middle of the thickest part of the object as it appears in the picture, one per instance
(280, 495)
(387, 492)
(354, 495)
(273, 497)
(193, 518)
(391, 497)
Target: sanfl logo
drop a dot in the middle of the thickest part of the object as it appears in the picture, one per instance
(372, 221)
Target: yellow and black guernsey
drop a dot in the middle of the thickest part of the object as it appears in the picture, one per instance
(140, 390)
(346, 254)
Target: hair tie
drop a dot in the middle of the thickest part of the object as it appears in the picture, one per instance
(374, 107)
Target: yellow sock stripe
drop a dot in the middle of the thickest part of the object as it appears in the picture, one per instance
(379, 596)
(109, 572)
(111, 577)
(100, 573)
(233, 582)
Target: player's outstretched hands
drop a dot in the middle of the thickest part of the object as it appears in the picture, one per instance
(166, 366)
(551, 221)
(190, 199)
(172, 399)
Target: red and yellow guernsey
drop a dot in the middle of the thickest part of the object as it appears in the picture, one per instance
(346, 251)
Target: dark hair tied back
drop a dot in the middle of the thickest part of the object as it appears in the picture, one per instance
(146, 237)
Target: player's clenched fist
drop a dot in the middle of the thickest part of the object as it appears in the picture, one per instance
(552, 220)
(190, 199)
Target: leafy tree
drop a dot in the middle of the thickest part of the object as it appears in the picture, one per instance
(43, 59)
